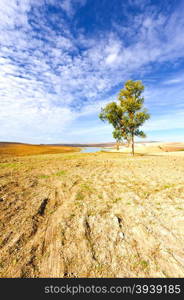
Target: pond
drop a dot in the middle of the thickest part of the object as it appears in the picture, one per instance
(91, 149)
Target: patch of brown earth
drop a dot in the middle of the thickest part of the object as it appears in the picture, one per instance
(92, 215)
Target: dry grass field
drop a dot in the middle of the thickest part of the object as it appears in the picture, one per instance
(92, 215)
(153, 148)
(16, 149)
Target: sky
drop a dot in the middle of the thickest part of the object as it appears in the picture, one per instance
(62, 60)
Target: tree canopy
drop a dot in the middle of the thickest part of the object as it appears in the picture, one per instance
(129, 115)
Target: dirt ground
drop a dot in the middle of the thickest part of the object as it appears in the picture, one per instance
(92, 215)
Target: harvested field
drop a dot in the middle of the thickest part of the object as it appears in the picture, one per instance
(18, 149)
(92, 215)
(155, 148)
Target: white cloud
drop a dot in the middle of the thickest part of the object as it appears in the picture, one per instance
(174, 81)
(47, 81)
(164, 122)
(69, 6)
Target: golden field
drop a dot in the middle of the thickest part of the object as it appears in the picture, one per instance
(16, 149)
(92, 215)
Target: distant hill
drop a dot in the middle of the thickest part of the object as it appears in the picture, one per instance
(108, 144)
(85, 145)
(62, 145)
(20, 149)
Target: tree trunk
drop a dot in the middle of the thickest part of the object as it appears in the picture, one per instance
(132, 144)
(117, 146)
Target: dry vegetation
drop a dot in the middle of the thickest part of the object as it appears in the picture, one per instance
(92, 215)
(13, 149)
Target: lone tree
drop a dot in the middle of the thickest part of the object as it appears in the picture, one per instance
(129, 115)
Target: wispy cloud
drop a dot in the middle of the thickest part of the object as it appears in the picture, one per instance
(69, 6)
(52, 72)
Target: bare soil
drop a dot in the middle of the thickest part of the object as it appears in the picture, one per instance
(92, 215)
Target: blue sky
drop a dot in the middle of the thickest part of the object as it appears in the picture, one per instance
(62, 60)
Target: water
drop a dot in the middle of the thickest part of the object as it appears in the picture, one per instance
(90, 149)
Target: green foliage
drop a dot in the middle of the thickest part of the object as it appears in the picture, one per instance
(80, 196)
(9, 165)
(117, 135)
(44, 176)
(113, 114)
(130, 97)
(60, 173)
(129, 115)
